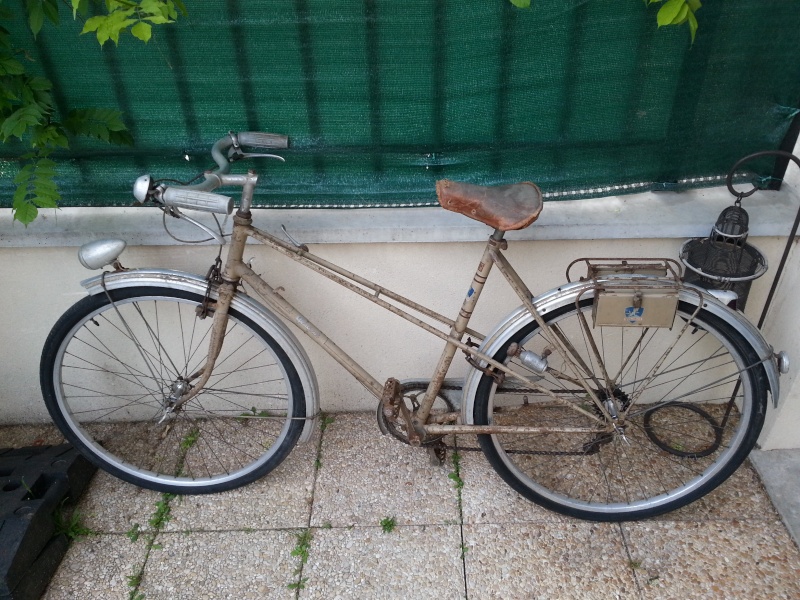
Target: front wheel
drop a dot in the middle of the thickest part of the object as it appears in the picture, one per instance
(689, 405)
(110, 372)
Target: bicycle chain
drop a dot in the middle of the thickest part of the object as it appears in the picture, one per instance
(531, 452)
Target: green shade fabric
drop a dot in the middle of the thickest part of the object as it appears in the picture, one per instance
(380, 99)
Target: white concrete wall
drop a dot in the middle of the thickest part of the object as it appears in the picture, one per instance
(398, 249)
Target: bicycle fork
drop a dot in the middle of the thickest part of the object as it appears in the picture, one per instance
(225, 293)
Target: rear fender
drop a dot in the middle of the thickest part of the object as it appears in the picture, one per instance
(567, 294)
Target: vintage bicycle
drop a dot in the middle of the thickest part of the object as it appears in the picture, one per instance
(622, 394)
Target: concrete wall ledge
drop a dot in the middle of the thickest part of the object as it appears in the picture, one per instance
(636, 216)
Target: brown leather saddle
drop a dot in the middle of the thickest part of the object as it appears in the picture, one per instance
(503, 207)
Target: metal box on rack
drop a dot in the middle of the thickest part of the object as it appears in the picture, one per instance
(634, 308)
(632, 292)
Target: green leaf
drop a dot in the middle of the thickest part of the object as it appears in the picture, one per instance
(692, 25)
(17, 123)
(10, 66)
(49, 136)
(93, 23)
(24, 212)
(669, 11)
(521, 3)
(50, 8)
(40, 84)
(35, 15)
(182, 7)
(98, 123)
(36, 188)
(153, 7)
(680, 18)
(120, 138)
(159, 20)
(142, 30)
(694, 4)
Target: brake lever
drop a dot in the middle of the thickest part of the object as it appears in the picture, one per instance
(179, 215)
(236, 154)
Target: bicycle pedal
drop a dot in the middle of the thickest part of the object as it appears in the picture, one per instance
(390, 398)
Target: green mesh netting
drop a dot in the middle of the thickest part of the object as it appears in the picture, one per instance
(381, 98)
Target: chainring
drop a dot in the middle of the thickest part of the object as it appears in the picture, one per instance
(413, 395)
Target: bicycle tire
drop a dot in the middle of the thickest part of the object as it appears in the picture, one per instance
(106, 384)
(656, 467)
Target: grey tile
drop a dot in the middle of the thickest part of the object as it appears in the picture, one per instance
(97, 567)
(365, 562)
(741, 494)
(366, 477)
(714, 560)
(488, 499)
(281, 499)
(780, 471)
(110, 505)
(229, 564)
(20, 436)
(544, 560)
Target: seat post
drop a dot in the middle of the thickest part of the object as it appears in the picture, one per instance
(458, 328)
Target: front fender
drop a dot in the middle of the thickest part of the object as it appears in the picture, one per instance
(244, 304)
(566, 294)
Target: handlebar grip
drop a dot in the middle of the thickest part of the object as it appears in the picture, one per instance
(258, 139)
(197, 200)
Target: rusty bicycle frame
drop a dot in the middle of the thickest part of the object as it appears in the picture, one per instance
(236, 270)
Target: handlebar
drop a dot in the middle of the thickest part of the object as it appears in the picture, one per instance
(198, 196)
(197, 200)
(257, 139)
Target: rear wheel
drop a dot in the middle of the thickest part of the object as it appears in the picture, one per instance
(110, 372)
(683, 426)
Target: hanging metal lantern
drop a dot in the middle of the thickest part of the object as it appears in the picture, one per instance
(724, 260)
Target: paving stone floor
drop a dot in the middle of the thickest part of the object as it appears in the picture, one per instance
(248, 543)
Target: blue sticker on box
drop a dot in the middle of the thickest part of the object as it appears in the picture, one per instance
(634, 315)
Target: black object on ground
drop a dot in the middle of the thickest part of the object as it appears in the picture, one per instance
(34, 482)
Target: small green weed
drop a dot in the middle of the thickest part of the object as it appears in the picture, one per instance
(162, 512)
(388, 524)
(327, 525)
(134, 532)
(635, 564)
(298, 585)
(190, 439)
(301, 551)
(134, 580)
(72, 526)
(27, 488)
(325, 420)
(455, 475)
(302, 547)
(260, 414)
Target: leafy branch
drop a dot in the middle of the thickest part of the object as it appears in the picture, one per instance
(677, 12)
(27, 111)
(123, 14)
(671, 12)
